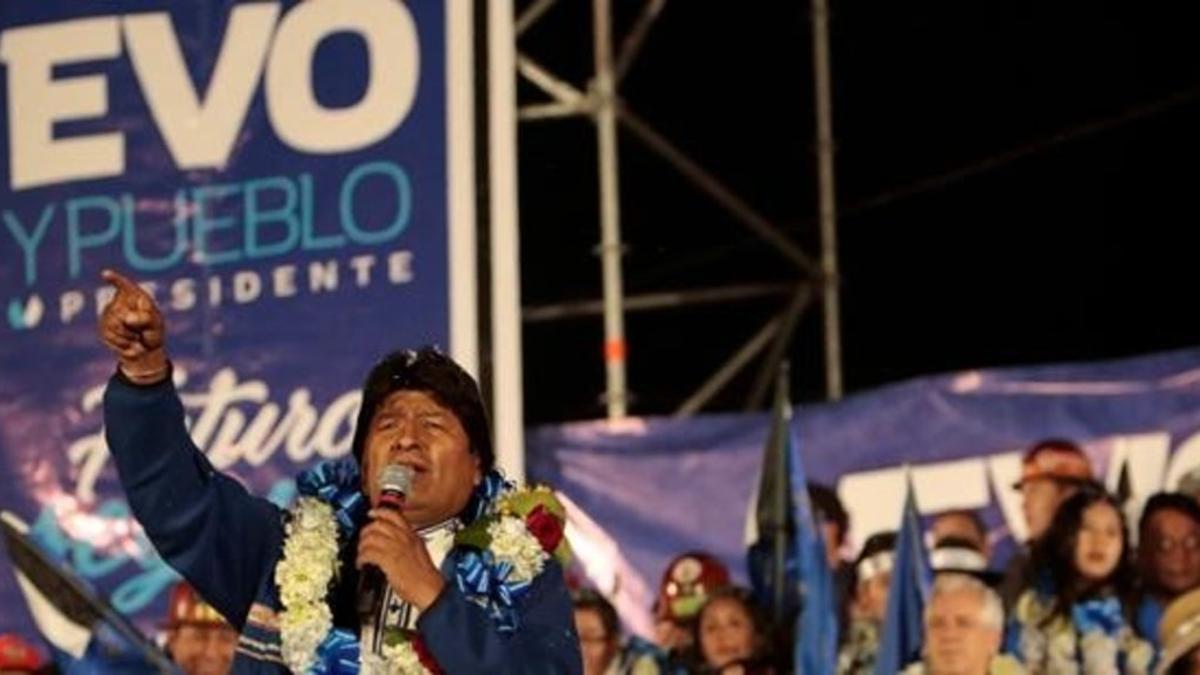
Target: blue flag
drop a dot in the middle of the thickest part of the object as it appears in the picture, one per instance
(86, 636)
(904, 623)
(816, 635)
(788, 568)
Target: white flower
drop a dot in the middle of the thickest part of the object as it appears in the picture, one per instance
(1061, 657)
(303, 575)
(512, 543)
(1099, 653)
(402, 659)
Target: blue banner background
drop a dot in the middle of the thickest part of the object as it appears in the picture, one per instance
(659, 487)
(270, 383)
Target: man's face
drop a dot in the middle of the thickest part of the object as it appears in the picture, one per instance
(1170, 552)
(203, 649)
(598, 647)
(412, 429)
(1040, 498)
(870, 601)
(957, 642)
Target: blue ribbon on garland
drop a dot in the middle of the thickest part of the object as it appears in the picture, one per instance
(1102, 614)
(339, 485)
(484, 581)
(338, 654)
(479, 576)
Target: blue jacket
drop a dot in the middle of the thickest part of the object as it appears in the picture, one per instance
(226, 543)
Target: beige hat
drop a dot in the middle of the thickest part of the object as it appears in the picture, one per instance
(1179, 630)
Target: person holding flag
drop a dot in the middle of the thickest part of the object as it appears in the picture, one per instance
(787, 557)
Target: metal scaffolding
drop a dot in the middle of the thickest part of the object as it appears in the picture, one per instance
(601, 101)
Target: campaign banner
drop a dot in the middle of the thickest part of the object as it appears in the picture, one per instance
(292, 181)
(646, 490)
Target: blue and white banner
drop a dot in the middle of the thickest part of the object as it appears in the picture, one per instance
(649, 489)
(293, 181)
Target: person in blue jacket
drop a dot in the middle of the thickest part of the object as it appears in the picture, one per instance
(471, 584)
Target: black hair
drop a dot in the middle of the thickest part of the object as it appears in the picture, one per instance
(1054, 555)
(758, 620)
(430, 371)
(877, 543)
(588, 599)
(1184, 664)
(1168, 501)
(971, 515)
(828, 507)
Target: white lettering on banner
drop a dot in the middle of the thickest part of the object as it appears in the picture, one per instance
(201, 132)
(183, 295)
(1006, 470)
(70, 305)
(37, 101)
(400, 267)
(240, 287)
(247, 286)
(299, 119)
(285, 281)
(875, 498)
(90, 453)
(217, 420)
(1186, 458)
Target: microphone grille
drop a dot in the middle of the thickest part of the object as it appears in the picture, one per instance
(396, 478)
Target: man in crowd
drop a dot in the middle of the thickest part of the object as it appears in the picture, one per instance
(1051, 472)
(964, 628)
(1168, 555)
(873, 571)
(600, 640)
(962, 525)
(419, 410)
(835, 525)
(599, 633)
(199, 639)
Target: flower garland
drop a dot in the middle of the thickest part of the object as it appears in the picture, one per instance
(1094, 640)
(511, 533)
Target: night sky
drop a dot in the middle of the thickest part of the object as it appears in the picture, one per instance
(1017, 183)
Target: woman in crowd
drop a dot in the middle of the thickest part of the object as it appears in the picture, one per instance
(1077, 616)
(732, 635)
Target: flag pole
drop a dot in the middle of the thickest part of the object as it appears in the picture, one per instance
(782, 495)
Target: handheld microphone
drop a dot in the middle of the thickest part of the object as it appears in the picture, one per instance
(394, 485)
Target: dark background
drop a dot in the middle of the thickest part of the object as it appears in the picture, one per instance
(1016, 181)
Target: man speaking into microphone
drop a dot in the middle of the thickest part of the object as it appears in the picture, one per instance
(441, 566)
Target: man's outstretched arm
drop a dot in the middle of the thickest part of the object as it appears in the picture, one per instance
(203, 523)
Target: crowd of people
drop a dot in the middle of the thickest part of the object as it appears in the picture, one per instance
(462, 574)
(1078, 597)
(1086, 593)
